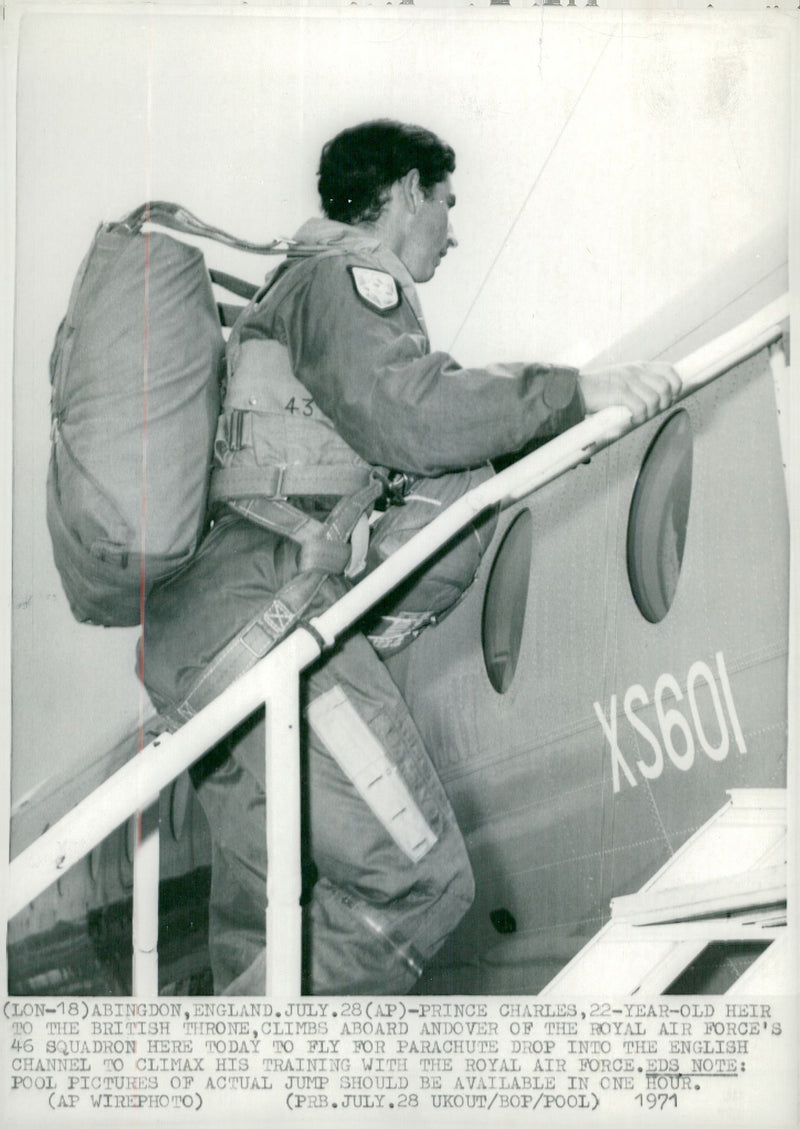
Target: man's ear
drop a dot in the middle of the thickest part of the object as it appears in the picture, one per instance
(413, 194)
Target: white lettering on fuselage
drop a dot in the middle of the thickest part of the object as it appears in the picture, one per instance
(679, 734)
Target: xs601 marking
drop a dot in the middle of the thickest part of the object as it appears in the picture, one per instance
(678, 736)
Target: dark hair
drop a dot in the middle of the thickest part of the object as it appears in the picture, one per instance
(359, 166)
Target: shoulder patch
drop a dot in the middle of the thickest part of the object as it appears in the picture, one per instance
(375, 288)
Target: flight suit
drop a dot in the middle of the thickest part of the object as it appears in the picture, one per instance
(386, 872)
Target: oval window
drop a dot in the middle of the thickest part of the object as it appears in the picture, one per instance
(504, 603)
(658, 518)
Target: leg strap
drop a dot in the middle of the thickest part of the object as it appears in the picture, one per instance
(258, 636)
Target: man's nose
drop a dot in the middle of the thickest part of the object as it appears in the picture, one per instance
(451, 237)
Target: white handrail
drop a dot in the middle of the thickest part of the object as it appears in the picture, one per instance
(133, 786)
(146, 862)
(284, 874)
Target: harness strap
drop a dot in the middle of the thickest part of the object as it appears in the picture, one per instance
(175, 216)
(279, 517)
(324, 545)
(277, 482)
(180, 219)
(258, 636)
(324, 549)
(234, 285)
(316, 552)
(228, 313)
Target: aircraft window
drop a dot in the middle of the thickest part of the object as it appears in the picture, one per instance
(504, 605)
(658, 518)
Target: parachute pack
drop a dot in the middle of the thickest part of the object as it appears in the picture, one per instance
(135, 374)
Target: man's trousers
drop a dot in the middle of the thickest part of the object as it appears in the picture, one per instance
(386, 873)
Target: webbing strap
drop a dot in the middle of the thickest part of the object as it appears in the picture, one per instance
(180, 219)
(324, 545)
(278, 516)
(338, 528)
(238, 286)
(361, 756)
(316, 552)
(258, 636)
(343, 517)
(292, 481)
(229, 313)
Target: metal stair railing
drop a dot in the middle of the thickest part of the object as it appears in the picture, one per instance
(274, 683)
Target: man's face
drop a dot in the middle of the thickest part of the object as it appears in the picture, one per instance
(430, 234)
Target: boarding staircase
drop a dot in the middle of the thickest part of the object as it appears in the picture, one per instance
(715, 913)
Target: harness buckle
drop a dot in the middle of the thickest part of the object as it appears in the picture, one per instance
(395, 486)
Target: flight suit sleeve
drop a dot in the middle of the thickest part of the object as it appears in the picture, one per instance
(393, 400)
